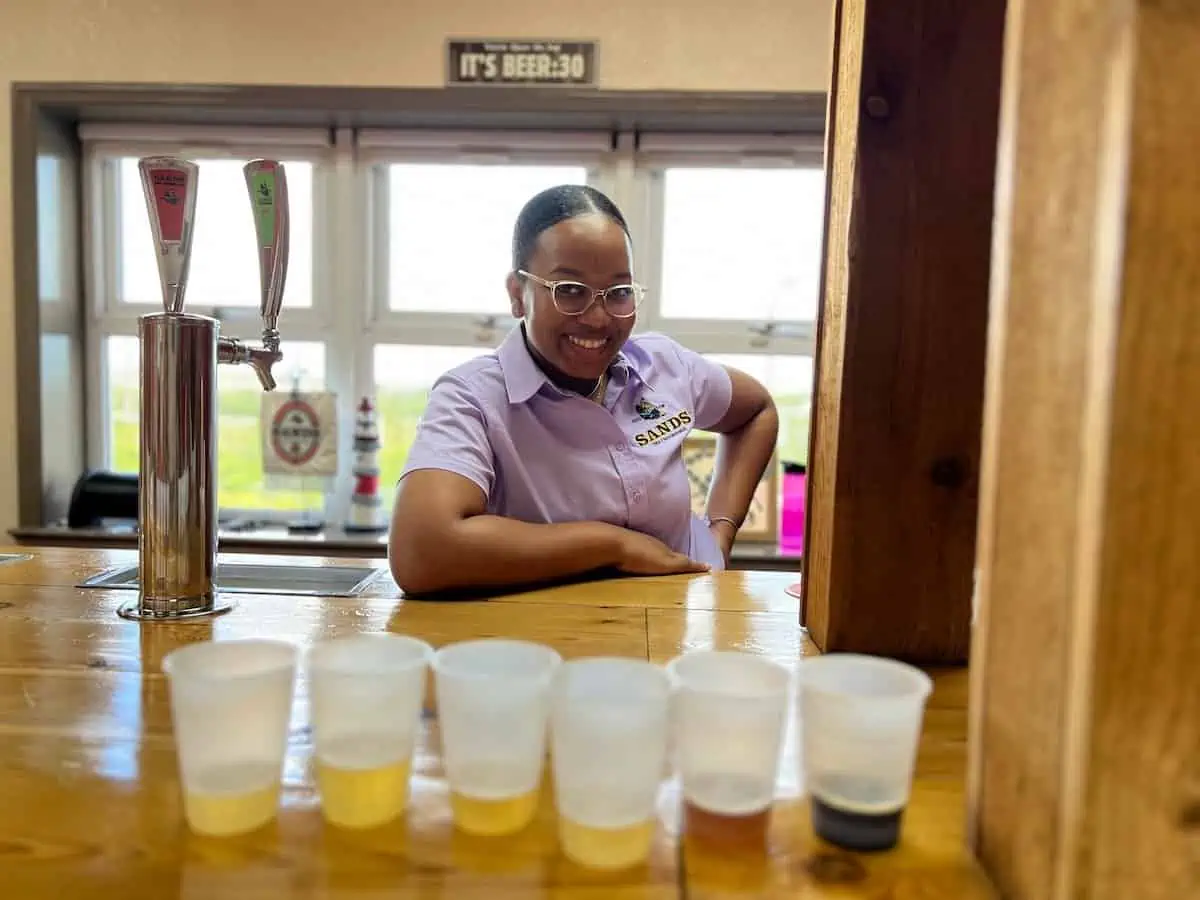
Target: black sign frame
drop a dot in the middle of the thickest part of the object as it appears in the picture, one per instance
(524, 62)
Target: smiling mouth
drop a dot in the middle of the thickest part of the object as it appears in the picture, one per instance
(590, 344)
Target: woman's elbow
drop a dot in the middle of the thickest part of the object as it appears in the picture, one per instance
(404, 563)
(418, 558)
(414, 572)
(423, 543)
(771, 414)
(408, 575)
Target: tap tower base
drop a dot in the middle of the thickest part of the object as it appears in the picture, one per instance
(177, 497)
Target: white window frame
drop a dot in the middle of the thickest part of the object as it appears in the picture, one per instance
(108, 316)
(377, 149)
(350, 314)
(657, 152)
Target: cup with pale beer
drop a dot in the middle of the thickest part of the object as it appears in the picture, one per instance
(366, 693)
(493, 698)
(230, 705)
(609, 738)
(729, 712)
(861, 723)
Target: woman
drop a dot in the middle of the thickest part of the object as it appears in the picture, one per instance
(559, 453)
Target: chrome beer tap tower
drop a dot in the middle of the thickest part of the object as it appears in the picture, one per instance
(177, 492)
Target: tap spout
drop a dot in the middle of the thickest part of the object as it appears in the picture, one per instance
(260, 359)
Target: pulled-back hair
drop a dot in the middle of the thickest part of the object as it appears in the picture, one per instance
(554, 205)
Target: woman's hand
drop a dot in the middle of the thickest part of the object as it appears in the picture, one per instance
(644, 555)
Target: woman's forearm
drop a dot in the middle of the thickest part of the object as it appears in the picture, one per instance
(742, 457)
(493, 551)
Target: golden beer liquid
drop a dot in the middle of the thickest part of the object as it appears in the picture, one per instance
(491, 816)
(605, 848)
(363, 798)
(231, 800)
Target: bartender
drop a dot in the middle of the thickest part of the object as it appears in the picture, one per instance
(559, 453)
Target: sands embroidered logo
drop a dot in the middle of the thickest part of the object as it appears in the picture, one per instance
(647, 410)
(664, 429)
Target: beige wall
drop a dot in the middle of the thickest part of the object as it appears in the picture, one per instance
(644, 45)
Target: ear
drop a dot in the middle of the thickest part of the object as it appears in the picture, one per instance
(516, 294)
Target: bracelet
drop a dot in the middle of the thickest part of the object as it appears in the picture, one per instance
(713, 520)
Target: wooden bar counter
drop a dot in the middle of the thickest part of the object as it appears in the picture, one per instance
(89, 796)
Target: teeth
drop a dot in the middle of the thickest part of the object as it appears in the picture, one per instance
(585, 343)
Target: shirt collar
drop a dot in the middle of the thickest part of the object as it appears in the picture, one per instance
(523, 378)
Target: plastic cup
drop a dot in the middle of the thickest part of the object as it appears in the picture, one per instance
(730, 711)
(609, 721)
(493, 700)
(230, 704)
(861, 720)
(366, 693)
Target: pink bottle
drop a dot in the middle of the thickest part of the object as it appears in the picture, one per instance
(791, 519)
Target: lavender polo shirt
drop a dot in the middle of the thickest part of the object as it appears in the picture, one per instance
(544, 455)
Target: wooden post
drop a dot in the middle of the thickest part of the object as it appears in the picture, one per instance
(1085, 743)
(902, 328)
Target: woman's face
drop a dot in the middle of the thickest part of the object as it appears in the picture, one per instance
(593, 250)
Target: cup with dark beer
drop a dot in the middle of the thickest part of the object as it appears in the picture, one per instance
(861, 723)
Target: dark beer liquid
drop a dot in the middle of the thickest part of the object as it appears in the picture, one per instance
(856, 813)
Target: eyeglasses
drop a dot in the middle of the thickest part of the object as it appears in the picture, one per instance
(574, 299)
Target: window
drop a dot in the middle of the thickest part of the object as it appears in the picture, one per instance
(477, 204)
(223, 282)
(52, 225)
(400, 244)
(759, 259)
(790, 381)
(241, 483)
(734, 234)
(121, 379)
(442, 213)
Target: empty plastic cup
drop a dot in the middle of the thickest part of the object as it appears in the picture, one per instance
(493, 699)
(230, 704)
(609, 733)
(861, 724)
(367, 692)
(729, 711)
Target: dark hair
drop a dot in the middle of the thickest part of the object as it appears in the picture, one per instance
(554, 205)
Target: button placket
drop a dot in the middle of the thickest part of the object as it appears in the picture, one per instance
(622, 463)
(632, 471)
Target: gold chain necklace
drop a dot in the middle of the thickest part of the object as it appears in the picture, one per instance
(597, 393)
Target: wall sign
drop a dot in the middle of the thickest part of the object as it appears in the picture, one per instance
(299, 433)
(521, 62)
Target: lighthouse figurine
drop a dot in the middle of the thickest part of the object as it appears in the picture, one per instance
(366, 513)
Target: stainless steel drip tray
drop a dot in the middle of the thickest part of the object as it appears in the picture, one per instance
(242, 578)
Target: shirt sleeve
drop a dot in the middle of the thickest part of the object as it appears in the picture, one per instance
(712, 389)
(452, 435)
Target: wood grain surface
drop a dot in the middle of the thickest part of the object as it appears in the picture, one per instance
(91, 802)
(902, 327)
(1085, 776)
